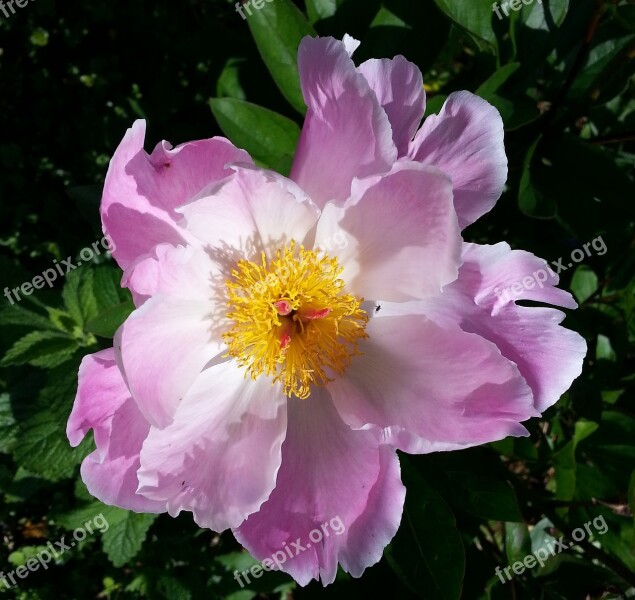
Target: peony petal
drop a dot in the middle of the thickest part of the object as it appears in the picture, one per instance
(398, 85)
(402, 236)
(496, 275)
(402, 381)
(141, 191)
(184, 272)
(103, 403)
(481, 301)
(339, 497)
(346, 133)
(163, 347)
(252, 211)
(466, 142)
(220, 456)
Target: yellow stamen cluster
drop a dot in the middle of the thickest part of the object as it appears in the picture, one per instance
(292, 319)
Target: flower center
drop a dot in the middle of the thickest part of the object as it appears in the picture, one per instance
(293, 319)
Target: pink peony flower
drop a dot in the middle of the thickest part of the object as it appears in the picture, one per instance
(291, 333)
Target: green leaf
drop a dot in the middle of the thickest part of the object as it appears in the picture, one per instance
(79, 297)
(44, 448)
(228, 83)
(475, 16)
(491, 85)
(106, 323)
(122, 532)
(531, 200)
(544, 15)
(427, 553)
(584, 283)
(106, 286)
(16, 315)
(517, 542)
(126, 533)
(8, 428)
(474, 480)
(604, 349)
(565, 462)
(41, 349)
(516, 110)
(269, 137)
(277, 28)
(321, 9)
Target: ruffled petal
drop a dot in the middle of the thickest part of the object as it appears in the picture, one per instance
(346, 133)
(422, 383)
(402, 239)
(103, 403)
(482, 301)
(398, 85)
(338, 497)
(141, 190)
(466, 141)
(220, 456)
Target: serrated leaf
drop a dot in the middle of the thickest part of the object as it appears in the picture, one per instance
(269, 137)
(16, 315)
(41, 349)
(122, 532)
(277, 28)
(43, 447)
(79, 297)
(8, 427)
(125, 535)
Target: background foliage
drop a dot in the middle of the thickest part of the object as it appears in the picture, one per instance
(74, 75)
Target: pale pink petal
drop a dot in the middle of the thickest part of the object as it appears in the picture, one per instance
(428, 383)
(103, 403)
(466, 141)
(252, 211)
(141, 190)
(398, 85)
(402, 239)
(497, 275)
(185, 272)
(335, 481)
(346, 133)
(481, 301)
(220, 456)
(163, 347)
